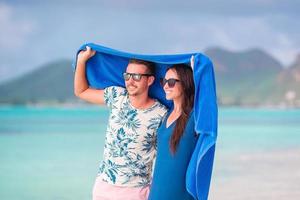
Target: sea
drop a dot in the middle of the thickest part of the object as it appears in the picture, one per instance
(53, 153)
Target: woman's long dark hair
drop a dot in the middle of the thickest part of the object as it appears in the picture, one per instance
(185, 75)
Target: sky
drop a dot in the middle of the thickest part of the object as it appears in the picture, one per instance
(33, 33)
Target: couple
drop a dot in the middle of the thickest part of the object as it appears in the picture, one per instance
(135, 122)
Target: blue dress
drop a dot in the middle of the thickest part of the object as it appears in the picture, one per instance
(169, 178)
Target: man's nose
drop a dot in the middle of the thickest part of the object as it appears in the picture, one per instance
(130, 80)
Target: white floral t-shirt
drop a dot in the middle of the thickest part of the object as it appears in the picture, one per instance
(130, 144)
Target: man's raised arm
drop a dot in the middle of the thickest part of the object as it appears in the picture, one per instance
(81, 87)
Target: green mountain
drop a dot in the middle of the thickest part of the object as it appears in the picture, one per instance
(248, 78)
(51, 83)
(287, 83)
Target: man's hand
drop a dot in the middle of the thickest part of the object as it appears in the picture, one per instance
(81, 87)
(84, 55)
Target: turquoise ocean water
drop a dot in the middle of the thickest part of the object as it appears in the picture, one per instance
(54, 153)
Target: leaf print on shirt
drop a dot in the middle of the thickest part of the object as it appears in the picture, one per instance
(111, 170)
(149, 142)
(120, 144)
(155, 123)
(110, 96)
(127, 117)
(123, 93)
(136, 168)
(129, 146)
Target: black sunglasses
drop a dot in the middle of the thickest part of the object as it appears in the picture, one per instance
(171, 82)
(135, 77)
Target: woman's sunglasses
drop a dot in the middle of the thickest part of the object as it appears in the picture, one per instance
(135, 77)
(171, 82)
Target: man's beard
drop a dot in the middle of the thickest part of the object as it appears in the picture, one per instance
(135, 93)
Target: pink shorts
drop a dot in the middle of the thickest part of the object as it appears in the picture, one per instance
(105, 191)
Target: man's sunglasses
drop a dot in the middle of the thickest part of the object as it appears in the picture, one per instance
(135, 77)
(171, 82)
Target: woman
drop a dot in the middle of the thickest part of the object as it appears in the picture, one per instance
(176, 138)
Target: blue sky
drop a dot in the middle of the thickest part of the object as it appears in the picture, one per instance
(33, 32)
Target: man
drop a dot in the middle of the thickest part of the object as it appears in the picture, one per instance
(129, 150)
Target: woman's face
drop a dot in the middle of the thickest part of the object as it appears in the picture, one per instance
(173, 92)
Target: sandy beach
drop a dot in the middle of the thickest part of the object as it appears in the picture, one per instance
(257, 176)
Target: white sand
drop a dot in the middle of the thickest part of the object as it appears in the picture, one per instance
(257, 176)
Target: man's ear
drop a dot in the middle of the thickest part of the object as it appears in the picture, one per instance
(151, 80)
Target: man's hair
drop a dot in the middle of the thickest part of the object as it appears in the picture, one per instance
(150, 65)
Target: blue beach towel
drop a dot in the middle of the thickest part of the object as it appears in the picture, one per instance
(106, 69)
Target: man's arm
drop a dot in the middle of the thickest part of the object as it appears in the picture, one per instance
(81, 87)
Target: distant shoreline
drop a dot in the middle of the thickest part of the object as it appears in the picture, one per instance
(87, 105)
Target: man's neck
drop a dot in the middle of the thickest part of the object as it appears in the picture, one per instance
(141, 101)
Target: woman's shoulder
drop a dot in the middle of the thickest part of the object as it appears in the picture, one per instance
(191, 115)
(190, 126)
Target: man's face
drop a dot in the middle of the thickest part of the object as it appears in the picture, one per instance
(133, 87)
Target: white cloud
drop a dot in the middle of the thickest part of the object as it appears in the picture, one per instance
(240, 33)
(14, 30)
(284, 49)
(142, 27)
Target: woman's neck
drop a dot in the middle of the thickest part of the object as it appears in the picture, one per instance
(177, 105)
